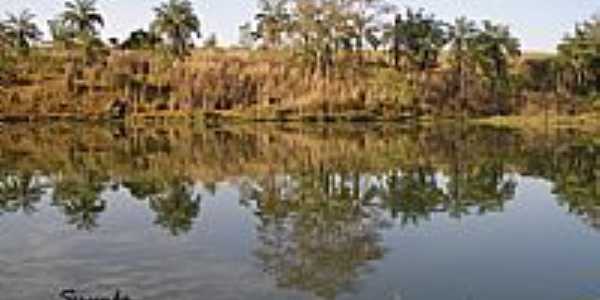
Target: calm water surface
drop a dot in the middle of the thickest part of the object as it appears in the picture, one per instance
(299, 212)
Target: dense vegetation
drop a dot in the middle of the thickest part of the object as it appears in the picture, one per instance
(321, 195)
(294, 170)
(298, 59)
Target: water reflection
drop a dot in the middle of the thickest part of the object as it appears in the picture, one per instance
(316, 232)
(176, 208)
(19, 192)
(322, 197)
(576, 180)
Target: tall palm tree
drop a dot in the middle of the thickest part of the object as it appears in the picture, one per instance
(273, 20)
(20, 31)
(420, 37)
(461, 41)
(495, 48)
(177, 21)
(61, 34)
(365, 17)
(83, 17)
(3, 36)
(581, 56)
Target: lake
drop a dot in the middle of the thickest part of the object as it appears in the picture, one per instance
(290, 211)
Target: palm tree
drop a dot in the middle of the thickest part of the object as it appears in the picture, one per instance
(6, 60)
(3, 36)
(20, 31)
(372, 37)
(461, 36)
(495, 48)
(421, 38)
(83, 17)
(365, 19)
(61, 34)
(80, 201)
(320, 28)
(273, 21)
(140, 39)
(581, 56)
(176, 20)
(176, 208)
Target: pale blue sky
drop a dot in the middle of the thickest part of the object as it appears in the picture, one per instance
(539, 23)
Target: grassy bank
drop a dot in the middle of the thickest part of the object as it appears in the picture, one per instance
(588, 121)
(251, 85)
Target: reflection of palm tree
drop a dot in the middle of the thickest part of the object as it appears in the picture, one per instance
(577, 184)
(21, 30)
(176, 208)
(142, 187)
(19, 192)
(176, 20)
(414, 195)
(83, 17)
(315, 235)
(80, 201)
(485, 187)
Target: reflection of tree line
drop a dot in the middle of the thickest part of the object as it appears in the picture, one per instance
(19, 192)
(316, 232)
(321, 195)
(576, 178)
(473, 163)
(82, 165)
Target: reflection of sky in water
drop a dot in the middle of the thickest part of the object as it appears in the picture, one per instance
(213, 261)
(530, 249)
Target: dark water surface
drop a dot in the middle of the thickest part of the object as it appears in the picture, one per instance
(299, 212)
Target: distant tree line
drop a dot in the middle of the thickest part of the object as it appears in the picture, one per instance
(471, 63)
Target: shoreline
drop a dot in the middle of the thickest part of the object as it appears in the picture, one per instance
(589, 121)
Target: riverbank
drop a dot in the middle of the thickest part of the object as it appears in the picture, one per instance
(253, 85)
(211, 116)
(588, 121)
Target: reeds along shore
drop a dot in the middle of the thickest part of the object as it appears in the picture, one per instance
(406, 64)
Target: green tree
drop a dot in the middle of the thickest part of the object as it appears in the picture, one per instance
(421, 38)
(372, 37)
(580, 54)
(4, 40)
(462, 50)
(273, 22)
(211, 41)
(176, 21)
(141, 39)
(80, 201)
(83, 18)
(365, 18)
(62, 35)
(20, 31)
(246, 36)
(495, 48)
(319, 29)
